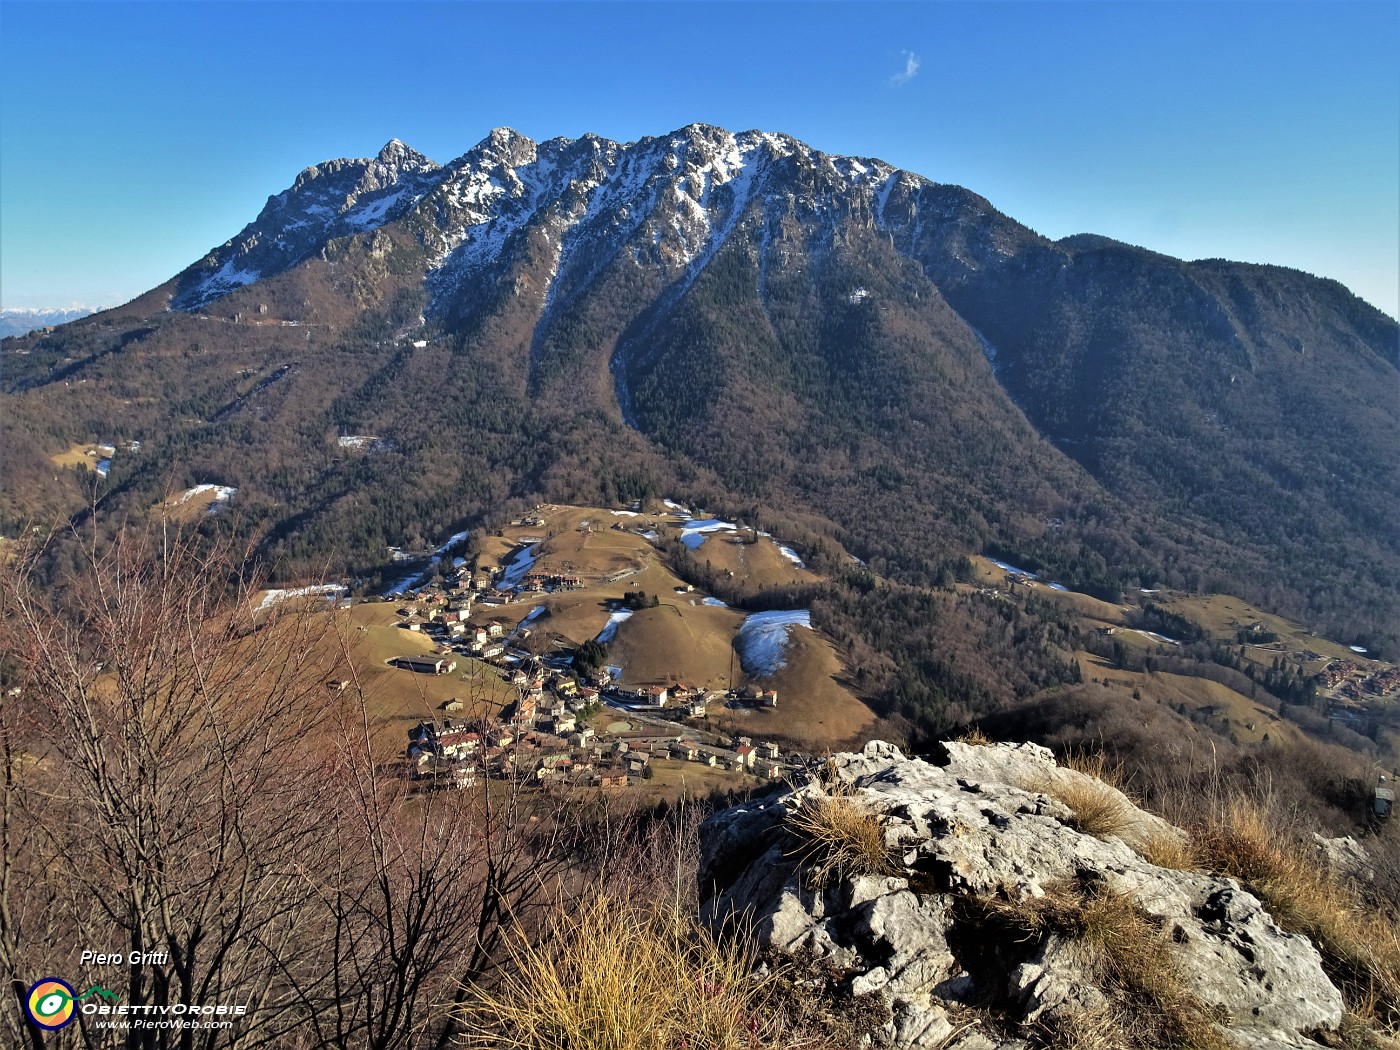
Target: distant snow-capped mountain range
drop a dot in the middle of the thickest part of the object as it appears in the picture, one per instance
(16, 320)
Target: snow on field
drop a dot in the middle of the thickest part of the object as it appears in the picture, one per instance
(650, 534)
(104, 467)
(1032, 576)
(763, 638)
(609, 631)
(274, 596)
(693, 534)
(626, 514)
(222, 494)
(678, 508)
(518, 567)
(533, 614)
(452, 541)
(1011, 568)
(406, 584)
(359, 442)
(1359, 649)
(715, 602)
(1155, 637)
(791, 555)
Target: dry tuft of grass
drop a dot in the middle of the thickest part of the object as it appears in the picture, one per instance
(975, 737)
(1166, 850)
(1097, 797)
(617, 976)
(1360, 945)
(844, 837)
(1098, 1029)
(1097, 765)
(1130, 960)
(1099, 809)
(1358, 1033)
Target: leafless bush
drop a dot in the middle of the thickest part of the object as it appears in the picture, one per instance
(176, 780)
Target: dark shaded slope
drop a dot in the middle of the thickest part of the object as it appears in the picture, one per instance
(1255, 404)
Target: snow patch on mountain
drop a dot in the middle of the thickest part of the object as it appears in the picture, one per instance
(791, 555)
(221, 493)
(694, 533)
(615, 620)
(275, 596)
(518, 567)
(677, 199)
(763, 637)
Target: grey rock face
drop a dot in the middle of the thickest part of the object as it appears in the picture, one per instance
(990, 825)
(333, 199)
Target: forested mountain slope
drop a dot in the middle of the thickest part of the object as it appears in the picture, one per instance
(758, 325)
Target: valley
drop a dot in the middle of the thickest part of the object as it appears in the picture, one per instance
(565, 645)
(936, 467)
(493, 642)
(405, 581)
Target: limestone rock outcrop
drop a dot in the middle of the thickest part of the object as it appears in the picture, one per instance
(980, 833)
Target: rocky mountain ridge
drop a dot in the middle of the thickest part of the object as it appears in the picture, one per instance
(334, 199)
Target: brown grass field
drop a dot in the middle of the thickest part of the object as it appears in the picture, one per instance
(395, 698)
(681, 640)
(989, 575)
(678, 642)
(188, 511)
(674, 780)
(87, 455)
(1224, 615)
(1196, 694)
(755, 566)
(814, 707)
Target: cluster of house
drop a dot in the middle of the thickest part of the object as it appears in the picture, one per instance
(688, 699)
(762, 760)
(544, 734)
(550, 581)
(1355, 682)
(548, 744)
(445, 620)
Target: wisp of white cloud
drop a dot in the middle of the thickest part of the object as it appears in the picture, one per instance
(910, 71)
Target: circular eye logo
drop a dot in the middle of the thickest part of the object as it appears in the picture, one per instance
(50, 1003)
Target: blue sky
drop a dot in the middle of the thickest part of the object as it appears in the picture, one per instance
(135, 137)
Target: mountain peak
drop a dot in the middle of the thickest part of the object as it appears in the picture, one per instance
(505, 137)
(396, 151)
